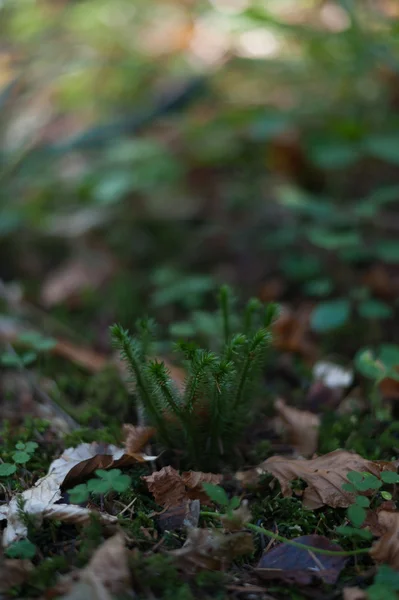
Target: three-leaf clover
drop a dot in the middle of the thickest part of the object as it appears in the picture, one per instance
(23, 454)
(218, 495)
(106, 481)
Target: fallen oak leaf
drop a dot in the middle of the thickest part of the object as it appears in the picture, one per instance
(170, 488)
(302, 427)
(324, 476)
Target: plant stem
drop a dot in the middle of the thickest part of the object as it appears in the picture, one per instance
(280, 538)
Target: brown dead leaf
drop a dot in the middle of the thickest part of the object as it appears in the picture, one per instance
(212, 549)
(324, 476)
(84, 357)
(13, 572)
(109, 566)
(136, 438)
(89, 269)
(170, 488)
(291, 332)
(302, 427)
(386, 549)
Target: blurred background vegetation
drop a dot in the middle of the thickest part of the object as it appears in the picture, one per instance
(152, 150)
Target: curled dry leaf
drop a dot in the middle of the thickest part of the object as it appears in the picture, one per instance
(180, 516)
(73, 465)
(136, 438)
(170, 488)
(211, 549)
(78, 515)
(386, 549)
(324, 476)
(291, 332)
(302, 427)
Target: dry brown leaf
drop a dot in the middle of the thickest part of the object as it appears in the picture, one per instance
(73, 465)
(193, 480)
(324, 476)
(170, 488)
(386, 549)
(302, 427)
(211, 549)
(87, 270)
(167, 487)
(181, 516)
(136, 438)
(84, 357)
(291, 332)
(13, 572)
(109, 566)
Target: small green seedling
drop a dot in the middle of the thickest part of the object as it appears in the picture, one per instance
(107, 481)
(218, 495)
(357, 513)
(23, 454)
(21, 549)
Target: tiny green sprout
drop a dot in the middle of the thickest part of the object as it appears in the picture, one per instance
(23, 454)
(385, 586)
(364, 482)
(21, 549)
(107, 481)
(218, 495)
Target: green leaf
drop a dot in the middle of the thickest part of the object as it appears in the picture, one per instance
(330, 315)
(362, 501)
(378, 591)
(28, 358)
(390, 477)
(318, 287)
(216, 493)
(384, 146)
(8, 359)
(30, 447)
(121, 483)
(21, 457)
(20, 446)
(374, 309)
(369, 484)
(389, 355)
(234, 503)
(356, 515)
(21, 549)
(7, 469)
(387, 576)
(333, 240)
(99, 486)
(79, 494)
(388, 251)
(369, 365)
(348, 487)
(386, 495)
(355, 477)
